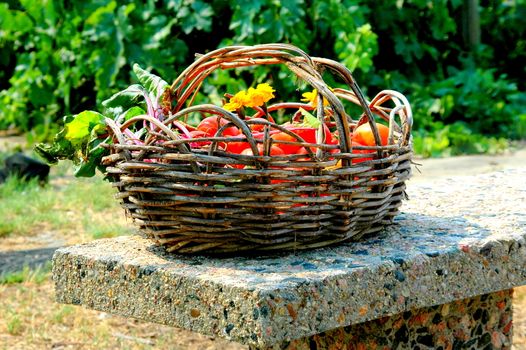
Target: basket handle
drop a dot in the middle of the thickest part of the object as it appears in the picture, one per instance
(305, 67)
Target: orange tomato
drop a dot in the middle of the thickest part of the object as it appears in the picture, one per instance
(364, 134)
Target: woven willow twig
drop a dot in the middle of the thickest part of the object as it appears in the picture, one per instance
(203, 199)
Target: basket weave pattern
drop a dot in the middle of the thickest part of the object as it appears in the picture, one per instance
(204, 199)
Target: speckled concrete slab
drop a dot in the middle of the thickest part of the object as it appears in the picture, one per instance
(457, 238)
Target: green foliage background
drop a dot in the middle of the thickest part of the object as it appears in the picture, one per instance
(61, 57)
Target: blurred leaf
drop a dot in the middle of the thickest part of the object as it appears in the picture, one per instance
(14, 22)
(356, 50)
(197, 16)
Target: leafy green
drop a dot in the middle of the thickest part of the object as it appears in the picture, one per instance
(154, 84)
(58, 150)
(87, 166)
(309, 119)
(133, 112)
(80, 129)
(79, 141)
(127, 98)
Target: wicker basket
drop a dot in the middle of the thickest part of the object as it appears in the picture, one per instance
(194, 199)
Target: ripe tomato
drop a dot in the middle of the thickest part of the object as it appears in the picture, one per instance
(198, 134)
(274, 151)
(237, 147)
(364, 135)
(360, 151)
(209, 126)
(259, 127)
(286, 148)
(307, 133)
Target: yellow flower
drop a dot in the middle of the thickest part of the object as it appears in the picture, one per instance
(251, 98)
(312, 98)
(258, 96)
(266, 91)
(237, 101)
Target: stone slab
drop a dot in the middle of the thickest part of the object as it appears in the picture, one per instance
(457, 238)
(481, 322)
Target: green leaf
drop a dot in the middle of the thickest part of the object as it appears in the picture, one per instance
(198, 16)
(357, 49)
(87, 166)
(133, 112)
(78, 130)
(126, 98)
(101, 14)
(309, 119)
(151, 82)
(82, 147)
(41, 11)
(60, 149)
(14, 22)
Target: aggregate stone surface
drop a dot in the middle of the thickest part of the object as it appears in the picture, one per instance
(481, 322)
(456, 238)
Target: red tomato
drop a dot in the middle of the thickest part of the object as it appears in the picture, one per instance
(286, 148)
(303, 150)
(274, 151)
(307, 133)
(237, 147)
(198, 134)
(209, 126)
(360, 151)
(364, 134)
(259, 127)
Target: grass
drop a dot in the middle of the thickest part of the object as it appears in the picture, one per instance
(65, 205)
(36, 276)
